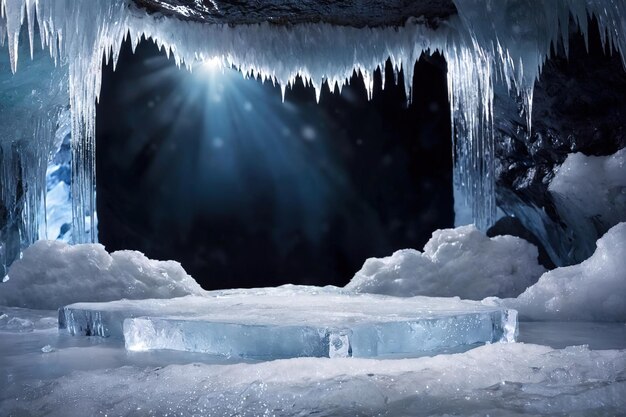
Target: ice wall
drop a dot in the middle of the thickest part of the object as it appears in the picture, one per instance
(30, 102)
(488, 43)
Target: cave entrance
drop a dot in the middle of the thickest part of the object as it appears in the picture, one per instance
(216, 172)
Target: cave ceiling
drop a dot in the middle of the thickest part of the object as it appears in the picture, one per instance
(357, 13)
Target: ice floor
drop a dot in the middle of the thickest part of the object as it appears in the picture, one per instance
(44, 371)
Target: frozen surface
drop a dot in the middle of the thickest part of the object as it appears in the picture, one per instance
(293, 321)
(456, 262)
(14, 319)
(560, 334)
(96, 376)
(592, 290)
(52, 274)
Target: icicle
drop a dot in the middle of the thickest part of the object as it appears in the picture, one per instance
(318, 92)
(30, 16)
(80, 33)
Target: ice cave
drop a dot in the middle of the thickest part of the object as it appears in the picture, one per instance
(312, 207)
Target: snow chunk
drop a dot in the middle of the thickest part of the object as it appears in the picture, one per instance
(594, 290)
(52, 274)
(455, 262)
(595, 185)
(47, 349)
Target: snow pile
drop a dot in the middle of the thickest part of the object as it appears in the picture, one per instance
(595, 185)
(455, 262)
(590, 194)
(496, 380)
(592, 290)
(52, 274)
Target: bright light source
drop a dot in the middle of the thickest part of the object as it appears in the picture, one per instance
(212, 64)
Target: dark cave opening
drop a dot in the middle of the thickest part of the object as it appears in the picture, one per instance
(247, 191)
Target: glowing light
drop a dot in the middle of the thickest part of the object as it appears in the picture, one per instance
(213, 64)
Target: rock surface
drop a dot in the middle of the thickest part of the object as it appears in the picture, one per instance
(578, 106)
(341, 12)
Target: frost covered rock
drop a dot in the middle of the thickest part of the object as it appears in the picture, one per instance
(592, 290)
(590, 195)
(52, 274)
(456, 262)
(594, 185)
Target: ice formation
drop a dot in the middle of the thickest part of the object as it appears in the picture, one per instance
(29, 107)
(293, 321)
(52, 274)
(594, 290)
(510, 50)
(455, 262)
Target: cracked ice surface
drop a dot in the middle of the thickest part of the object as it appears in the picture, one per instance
(292, 321)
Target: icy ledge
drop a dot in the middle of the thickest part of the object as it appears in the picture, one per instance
(294, 321)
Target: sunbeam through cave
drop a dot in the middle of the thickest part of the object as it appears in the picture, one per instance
(455, 169)
(216, 171)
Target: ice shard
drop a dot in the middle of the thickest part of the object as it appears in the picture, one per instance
(293, 321)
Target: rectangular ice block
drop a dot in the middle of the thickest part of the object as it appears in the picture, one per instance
(295, 321)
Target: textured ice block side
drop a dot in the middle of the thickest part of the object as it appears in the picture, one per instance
(365, 340)
(294, 321)
(228, 339)
(85, 322)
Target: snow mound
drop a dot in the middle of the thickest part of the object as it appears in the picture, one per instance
(52, 274)
(456, 262)
(594, 290)
(595, 185)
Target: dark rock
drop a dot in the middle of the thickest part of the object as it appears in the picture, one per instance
(509, 225)
(578, 106)
(358, 13)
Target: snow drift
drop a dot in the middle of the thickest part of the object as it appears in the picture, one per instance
(52, 274)
(592, 290)
(455, 262)
(463, 262)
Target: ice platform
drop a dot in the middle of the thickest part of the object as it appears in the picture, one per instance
(294, 321)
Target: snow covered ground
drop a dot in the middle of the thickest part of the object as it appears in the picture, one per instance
(556, 367)
(47, 372)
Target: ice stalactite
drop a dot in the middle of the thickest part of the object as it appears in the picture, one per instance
(30, 102)
(506, 45)
(488, 43)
